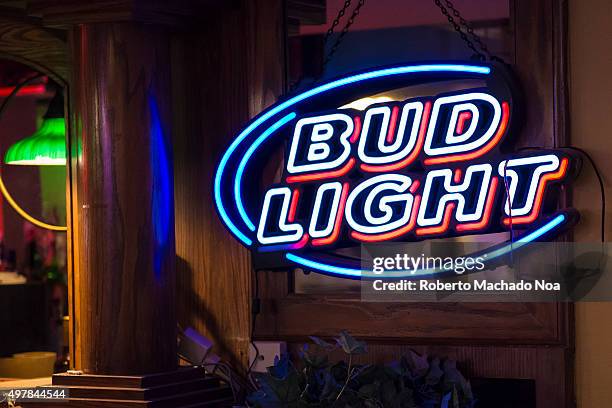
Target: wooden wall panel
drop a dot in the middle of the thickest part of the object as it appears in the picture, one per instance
(411, 322)
(228, 72)
(540, 33)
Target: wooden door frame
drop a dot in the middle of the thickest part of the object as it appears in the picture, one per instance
(541, 333)
(539, 79)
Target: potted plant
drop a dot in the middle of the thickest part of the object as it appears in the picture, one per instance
(415, 381)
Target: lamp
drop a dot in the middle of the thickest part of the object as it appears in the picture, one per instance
(46, 146)
(36, 149)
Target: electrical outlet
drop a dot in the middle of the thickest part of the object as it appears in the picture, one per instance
(268, 351)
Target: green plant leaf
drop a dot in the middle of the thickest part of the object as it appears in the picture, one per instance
(417, 364)
(446, 401)
(368, 390)
(455, 399)
(331, 387)
(415, 381)
(453, 378)
(338, 370)
(280, 369)
(372, 403)
(435, 372)
(274, 392)
(350, 345)
(322, 343)
(313, 359)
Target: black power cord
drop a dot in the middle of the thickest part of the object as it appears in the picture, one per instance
(255, 310)
(16, 90)
(602, 190)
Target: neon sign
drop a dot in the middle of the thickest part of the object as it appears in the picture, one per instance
(431, 165)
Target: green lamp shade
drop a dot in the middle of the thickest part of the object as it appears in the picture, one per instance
(46, 147)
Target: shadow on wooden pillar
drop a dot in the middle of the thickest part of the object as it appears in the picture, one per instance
(229, 72)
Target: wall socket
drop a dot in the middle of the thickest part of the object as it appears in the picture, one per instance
(268, 351)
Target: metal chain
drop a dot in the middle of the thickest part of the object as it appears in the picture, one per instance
(457, 27)
(468, 28)
(336, 21)
(344, 31)
(328, 34)
(483, 53)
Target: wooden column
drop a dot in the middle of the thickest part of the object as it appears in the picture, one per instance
(122, 217)
(216, 90)
(225, 68)
(125, 242)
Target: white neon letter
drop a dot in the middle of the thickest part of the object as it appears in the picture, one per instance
(454, 192)
(394, 189)
(545, 164)
(293, 231)
(469, 140)
(320, 155)
(336, 187)
(392, 152)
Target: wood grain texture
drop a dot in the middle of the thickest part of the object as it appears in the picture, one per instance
(183, 374)
(217, 88)
(539, 62)
(179, 388)
(409, 322)
(43, 49)
(125, 272)
(176, 13)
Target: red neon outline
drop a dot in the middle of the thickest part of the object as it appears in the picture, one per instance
(413, 155)
(448, 212)
(356, 129)
(484, 149)
(300, 244)
(539, 198)
(320, 176)
(336, 232)
(487, 212)
(392, 123)
(463, 117)
(415, 186)
(457, 176)
(392, 234)
(293, 207)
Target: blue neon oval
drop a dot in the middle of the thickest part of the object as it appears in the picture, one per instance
(347, 272)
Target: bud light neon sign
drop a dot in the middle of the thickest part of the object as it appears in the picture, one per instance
(432, 165)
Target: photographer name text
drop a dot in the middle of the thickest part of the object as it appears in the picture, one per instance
(475, 285)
